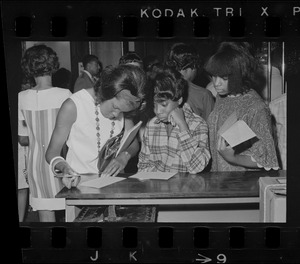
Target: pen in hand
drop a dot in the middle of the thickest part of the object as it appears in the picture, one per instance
(70, 179)
(71, 182)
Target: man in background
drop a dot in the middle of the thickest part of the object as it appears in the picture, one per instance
(88, 77)
(185, 60)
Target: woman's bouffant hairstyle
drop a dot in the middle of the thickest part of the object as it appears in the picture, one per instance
(169, 84)
(131, 57)
(39, 60)
(234, 61)
(122, 77)
(182, 56)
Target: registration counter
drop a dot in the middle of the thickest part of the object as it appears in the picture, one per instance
(205, 197)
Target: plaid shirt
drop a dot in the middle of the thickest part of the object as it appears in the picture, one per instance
(185, 151)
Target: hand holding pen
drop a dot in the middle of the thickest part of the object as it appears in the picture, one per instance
(69, 177)
(71, 181)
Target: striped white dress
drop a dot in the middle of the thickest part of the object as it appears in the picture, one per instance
(39, 109)
(22, 158)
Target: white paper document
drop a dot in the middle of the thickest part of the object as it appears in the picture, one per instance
(153, 175)
(129, 137)
(238, 133)
(282, 181)
(228, 123)
(101, 182)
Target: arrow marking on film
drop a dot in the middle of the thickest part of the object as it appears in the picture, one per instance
(203, 259)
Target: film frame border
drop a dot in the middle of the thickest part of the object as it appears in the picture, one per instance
(270, 244)
(289, 29)
(65, 20)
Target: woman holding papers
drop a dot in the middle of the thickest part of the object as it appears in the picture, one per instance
(232, 69)
(93, 116)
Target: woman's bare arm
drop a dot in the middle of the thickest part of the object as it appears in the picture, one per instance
(65, 119)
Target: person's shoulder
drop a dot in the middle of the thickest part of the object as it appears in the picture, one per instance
(255, 96)
(192, 115)
(200, 89)
(25, 93)
(62, 90)
(21, 94)
(79, 94)
(82, 97)
(84, 76)
(59, 93)
(195, 86)
(68, 105)
(197, 123)
(83, 81)
(198, 119)
(80, 79)
(257, 100)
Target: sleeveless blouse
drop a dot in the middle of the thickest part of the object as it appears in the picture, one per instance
(82, 154)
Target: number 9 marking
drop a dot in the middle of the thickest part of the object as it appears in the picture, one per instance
(221, 258)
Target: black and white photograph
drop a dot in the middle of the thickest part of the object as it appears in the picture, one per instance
(153, 131)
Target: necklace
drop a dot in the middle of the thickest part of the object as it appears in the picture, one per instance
(111, 133)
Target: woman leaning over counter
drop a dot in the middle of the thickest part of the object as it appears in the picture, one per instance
(91, 117)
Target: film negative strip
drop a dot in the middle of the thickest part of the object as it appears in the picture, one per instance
(208, 217)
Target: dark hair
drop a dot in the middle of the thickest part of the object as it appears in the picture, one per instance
(131, 57)
(89, 58)
(62, 78)
(122, 77)
(169, 84)
(150, 62)
(182, 56)
(39, 60)
(239, 46)
(235, 62)
(27, 83)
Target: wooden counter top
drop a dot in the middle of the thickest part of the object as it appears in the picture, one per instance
(203, 185)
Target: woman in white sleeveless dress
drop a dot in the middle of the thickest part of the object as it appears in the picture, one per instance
(92, 116)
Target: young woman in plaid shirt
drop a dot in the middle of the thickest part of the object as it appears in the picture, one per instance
(176, 139)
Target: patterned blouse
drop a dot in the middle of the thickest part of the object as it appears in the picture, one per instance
(252, 109)
(181, 151)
